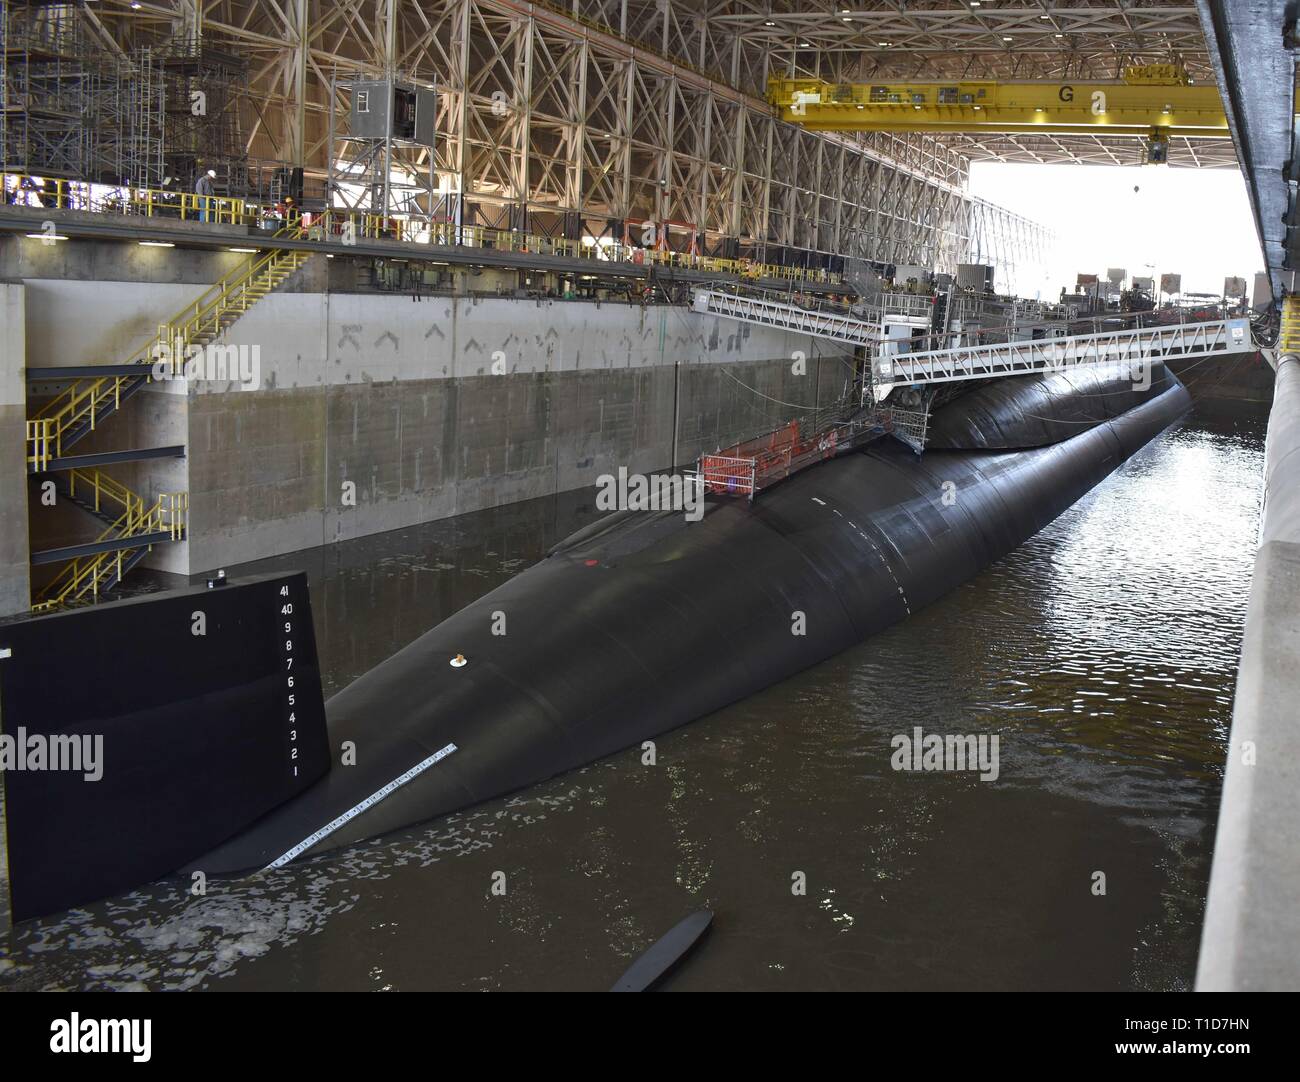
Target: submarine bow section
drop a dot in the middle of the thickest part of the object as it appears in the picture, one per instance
(643, 622)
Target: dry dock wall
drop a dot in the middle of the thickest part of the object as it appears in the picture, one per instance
(374, 411)
(13, 465)
(1251, 937)
(377, 412)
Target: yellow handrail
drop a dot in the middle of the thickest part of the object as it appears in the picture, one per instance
(82, 399)
(86, 574)
(371, 226)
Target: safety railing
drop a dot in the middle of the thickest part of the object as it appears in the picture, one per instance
(910, 426)
(53, 193)
(237, 292)
(1125, 347)
(97, 489)
(346, 224)
(84, 578)
(752, 465)
(79, 407)
(906, 304)
(818, 321)
(727, 475)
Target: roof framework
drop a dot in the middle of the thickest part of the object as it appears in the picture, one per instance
(655, 108)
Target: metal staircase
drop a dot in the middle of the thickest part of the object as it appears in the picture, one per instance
(1127, 347)
(132, 527)
(86, 402)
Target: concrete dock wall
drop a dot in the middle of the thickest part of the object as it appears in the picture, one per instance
(446, 406)
(14, 556)
(373, 411)
(1251, 938)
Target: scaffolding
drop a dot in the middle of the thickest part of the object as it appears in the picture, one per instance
(128, 137)
(49, 91)
(70, 108)
(203, 89)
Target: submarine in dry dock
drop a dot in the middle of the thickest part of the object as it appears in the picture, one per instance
(645, 621)
(225, 758)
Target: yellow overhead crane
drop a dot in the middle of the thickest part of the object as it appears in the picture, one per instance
(1153, 100)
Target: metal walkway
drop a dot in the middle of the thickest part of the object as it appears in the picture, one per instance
(835, 326)
(1128, 347)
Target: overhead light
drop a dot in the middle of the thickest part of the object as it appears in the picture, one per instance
(1058, 35)
(156, 244)
(861, 106)
(769, 23)
(1006, 39)
(846, 19)
(45, 236)
(135, 5)
(883, 44)
(245, 251)
(804, 45)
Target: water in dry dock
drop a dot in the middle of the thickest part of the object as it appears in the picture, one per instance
(1102, 652)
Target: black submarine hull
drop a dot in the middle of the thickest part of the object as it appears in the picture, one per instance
(644, 621)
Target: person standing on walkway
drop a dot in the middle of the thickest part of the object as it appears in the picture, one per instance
(205, 190)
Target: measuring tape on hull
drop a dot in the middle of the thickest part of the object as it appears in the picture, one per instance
(370, 801)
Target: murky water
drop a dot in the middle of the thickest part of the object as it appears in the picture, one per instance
(1102, 653)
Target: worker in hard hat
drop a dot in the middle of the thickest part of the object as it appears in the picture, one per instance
(205, 190)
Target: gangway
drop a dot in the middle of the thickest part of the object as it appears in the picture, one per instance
(1131, 348)
(820, 323)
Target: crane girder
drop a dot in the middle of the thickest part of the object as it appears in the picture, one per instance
(1149, 100)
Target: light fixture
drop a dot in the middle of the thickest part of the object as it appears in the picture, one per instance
(769, 23)
(156, 244)
(244, 251)
(804, 45)
(45, 236)
(861, 106)
(1058, 35)
(883, 44)
(1006, 39)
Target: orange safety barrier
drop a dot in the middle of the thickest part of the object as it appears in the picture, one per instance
(750, 466)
